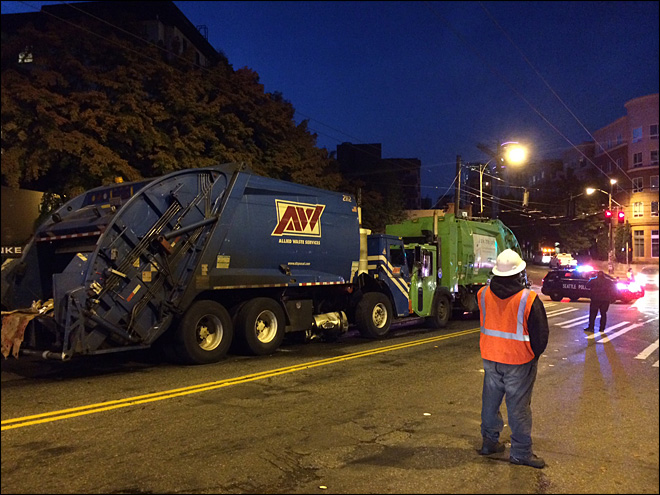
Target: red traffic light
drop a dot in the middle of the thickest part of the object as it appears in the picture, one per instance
(608, 214)
(621, 217)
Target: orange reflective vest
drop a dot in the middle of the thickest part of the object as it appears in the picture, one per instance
(504, 334)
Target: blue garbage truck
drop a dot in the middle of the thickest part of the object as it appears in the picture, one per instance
(201, 260)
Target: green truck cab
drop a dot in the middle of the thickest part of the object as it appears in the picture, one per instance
(451, 259)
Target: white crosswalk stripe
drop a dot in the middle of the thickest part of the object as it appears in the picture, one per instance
(581, 320)
(620, 324)
(647, 352)
(604, 337)
(574, 319)
(610, 337)
(561, 311)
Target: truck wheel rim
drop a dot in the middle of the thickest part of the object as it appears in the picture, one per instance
(209, 332)
(265, 327)
(442, 310)
(379, 315)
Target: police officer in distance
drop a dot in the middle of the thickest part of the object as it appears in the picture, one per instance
(602, 291)
(514, 334)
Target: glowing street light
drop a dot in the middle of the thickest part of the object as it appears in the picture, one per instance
(514, 154)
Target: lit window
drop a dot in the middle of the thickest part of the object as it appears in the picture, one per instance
(638, 243)
(653, 131)
(637, 159)
(638, 184)
(638, 209)
(654, 208)
(25, 57)
(637, 134)
(654, 158)
(654, 182)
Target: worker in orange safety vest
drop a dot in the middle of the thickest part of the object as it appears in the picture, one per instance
(514, 333)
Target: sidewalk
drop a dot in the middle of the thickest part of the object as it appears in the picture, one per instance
(620, 269)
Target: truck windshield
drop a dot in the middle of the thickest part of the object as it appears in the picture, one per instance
(397, 255)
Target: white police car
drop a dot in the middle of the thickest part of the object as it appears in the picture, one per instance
(563, 260)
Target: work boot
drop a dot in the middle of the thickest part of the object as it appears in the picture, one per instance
(489, 447)
(533, 461)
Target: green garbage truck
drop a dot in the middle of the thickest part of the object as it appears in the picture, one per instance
(451, 259)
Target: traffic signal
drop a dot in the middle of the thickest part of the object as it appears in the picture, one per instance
(621, 217)
(608, 216)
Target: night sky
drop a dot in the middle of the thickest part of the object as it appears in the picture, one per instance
(431, 80)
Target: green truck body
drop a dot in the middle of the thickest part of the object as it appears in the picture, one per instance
(464, 249)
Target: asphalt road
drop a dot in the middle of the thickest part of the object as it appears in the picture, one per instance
(400, 415)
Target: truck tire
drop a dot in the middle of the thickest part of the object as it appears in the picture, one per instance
(373, 315)
(440, 312)
(204, 334)
(260, 326)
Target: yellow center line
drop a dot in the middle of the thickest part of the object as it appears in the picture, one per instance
(35, 419)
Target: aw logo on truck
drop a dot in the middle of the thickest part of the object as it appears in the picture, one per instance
(300, 219)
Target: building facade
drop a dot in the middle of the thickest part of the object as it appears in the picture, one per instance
(365, 162)
(577, 161)
(627, 151)
(161, 23)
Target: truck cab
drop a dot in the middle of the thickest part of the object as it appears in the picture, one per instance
(424, 277)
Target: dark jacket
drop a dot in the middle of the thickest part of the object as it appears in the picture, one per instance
(602, 288)
(537, 322)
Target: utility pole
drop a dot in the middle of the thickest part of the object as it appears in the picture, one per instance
(457, 200)
(610, 254)
(495, 156)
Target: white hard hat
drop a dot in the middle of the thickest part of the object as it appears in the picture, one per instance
(508, 263)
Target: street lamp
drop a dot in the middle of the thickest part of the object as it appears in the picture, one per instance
(481, 186)
(515, 154)
(610, 250)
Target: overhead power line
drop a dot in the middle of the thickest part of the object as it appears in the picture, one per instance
(553, 92)
(508, 83)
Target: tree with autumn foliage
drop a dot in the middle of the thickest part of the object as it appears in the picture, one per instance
(96, 103)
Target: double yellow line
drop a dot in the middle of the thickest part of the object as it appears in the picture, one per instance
(36, 419)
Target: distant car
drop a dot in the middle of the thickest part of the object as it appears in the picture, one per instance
(541, 258)
(563, 260)
(573, 284)
(648, 277)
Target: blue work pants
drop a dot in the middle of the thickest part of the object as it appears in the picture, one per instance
(514, 382)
